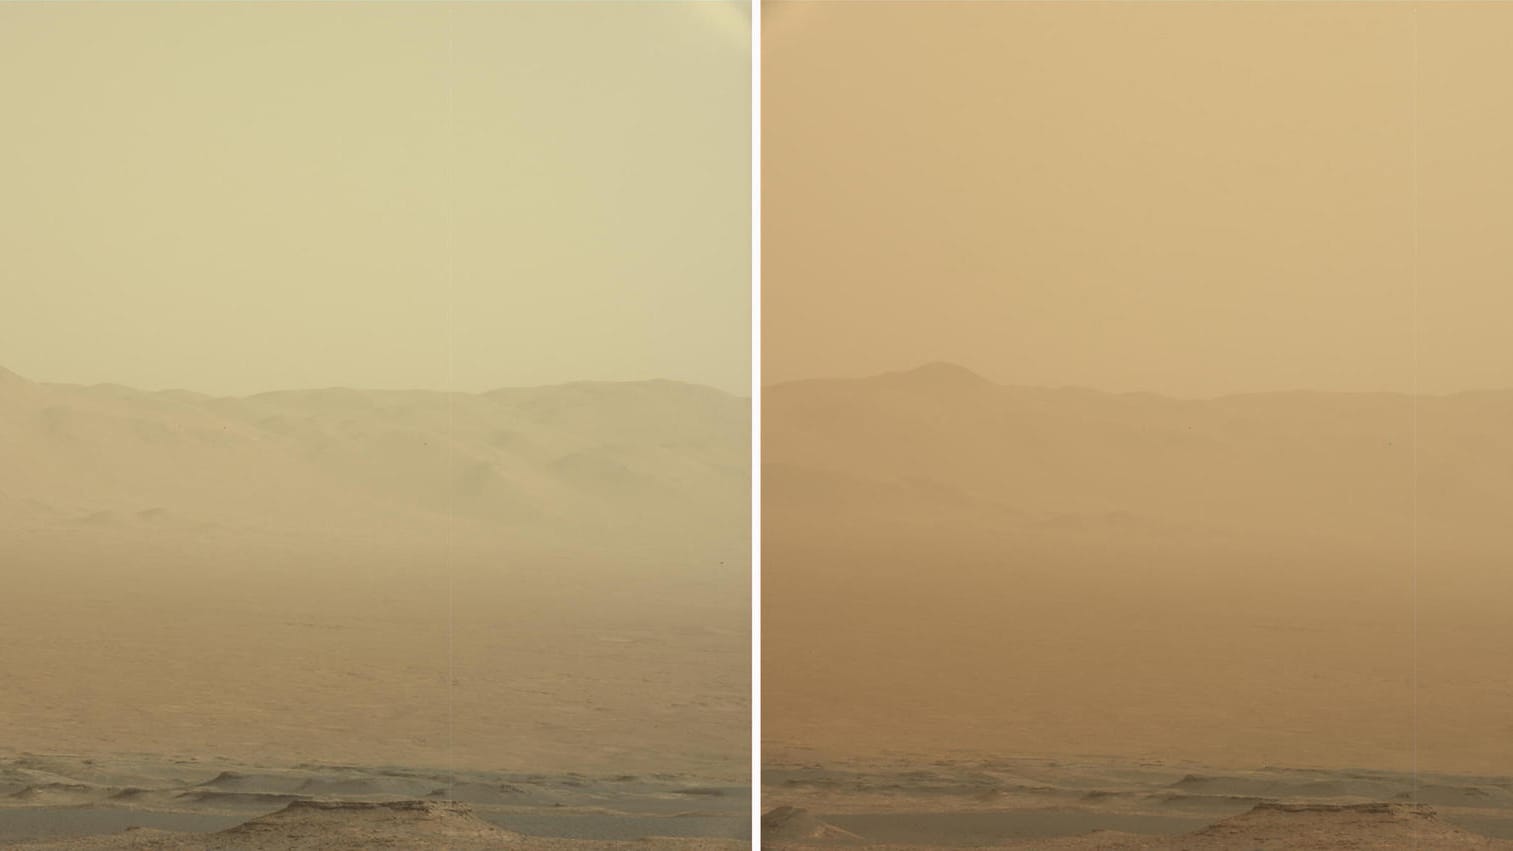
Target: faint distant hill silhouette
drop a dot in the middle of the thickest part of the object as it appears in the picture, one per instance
(941, 444)
(656, 465)
(956, 567)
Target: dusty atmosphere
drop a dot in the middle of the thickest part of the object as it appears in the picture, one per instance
(535, 581)
(375, 424)
(1233, 588)
(1136, 411)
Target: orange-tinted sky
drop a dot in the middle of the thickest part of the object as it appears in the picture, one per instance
(1190, 198)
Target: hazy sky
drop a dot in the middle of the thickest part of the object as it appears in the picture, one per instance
(1191, 198)
(234, 198)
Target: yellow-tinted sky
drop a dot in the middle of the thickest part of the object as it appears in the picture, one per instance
(1190, 198)
(241, 197)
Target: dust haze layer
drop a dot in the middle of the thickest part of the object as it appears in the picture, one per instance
(326, 587)
(1293, 579)
(1065, 618)
(1270, 539)
(1139, 196)
(270, 588)
(219, 575)
(235, 197)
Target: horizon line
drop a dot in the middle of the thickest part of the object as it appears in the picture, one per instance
(969, 373)
(5, 372)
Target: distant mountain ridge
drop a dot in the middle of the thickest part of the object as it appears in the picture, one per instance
(654, 464)
(1338, 466)
(955, 567)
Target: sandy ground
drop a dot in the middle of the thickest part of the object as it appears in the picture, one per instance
(375, 658)
(1267, 826)
(193, 704)
(148, 802)
(1120, 804)
(399, 824)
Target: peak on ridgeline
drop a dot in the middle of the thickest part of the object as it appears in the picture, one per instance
(593, 467)
(938, 374)
(13, 385)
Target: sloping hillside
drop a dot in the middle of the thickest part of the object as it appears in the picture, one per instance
(652, 465)
(941, 444)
